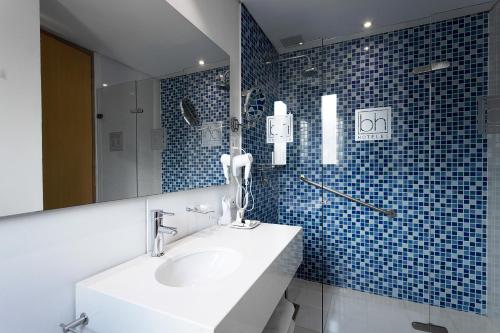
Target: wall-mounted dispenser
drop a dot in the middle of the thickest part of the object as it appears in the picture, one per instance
(279, 131)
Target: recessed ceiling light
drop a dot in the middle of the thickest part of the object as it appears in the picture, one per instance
(201, 62)
(301, 43)
(367, 24)
(104, 84)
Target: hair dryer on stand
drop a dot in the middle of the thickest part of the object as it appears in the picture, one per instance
(244, 163)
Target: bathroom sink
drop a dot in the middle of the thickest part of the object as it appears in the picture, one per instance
(218, 280)
(196, 268)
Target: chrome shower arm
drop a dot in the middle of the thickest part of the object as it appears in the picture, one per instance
(268, 62)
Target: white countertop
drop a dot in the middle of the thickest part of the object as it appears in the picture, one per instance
(204, 305)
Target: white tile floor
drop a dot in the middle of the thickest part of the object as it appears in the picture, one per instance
(348, 311)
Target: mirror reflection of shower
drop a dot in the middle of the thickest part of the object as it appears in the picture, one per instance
(223, 81)
(254, 107)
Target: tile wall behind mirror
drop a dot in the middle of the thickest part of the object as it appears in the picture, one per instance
(116, 75)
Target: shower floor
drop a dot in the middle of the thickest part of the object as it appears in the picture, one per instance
(348, 311)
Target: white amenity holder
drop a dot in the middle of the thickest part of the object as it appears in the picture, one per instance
(279, 131)
(225, 219)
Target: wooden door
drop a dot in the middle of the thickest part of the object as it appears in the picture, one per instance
(67, 118)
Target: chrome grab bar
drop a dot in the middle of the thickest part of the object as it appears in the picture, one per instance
(390, 212)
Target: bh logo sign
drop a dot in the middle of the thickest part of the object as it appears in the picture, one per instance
(373, 124)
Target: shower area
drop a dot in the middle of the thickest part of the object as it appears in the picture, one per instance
(393, 173)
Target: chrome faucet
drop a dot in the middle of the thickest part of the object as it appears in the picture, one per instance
(157, 231)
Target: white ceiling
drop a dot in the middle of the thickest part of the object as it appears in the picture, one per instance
(147, 35)
(315, 19)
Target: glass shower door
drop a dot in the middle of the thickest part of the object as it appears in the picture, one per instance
(376, 266)
(462, 291)
(116, 142)
(301, 204)
(151, 140)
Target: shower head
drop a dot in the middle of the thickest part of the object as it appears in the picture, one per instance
(431, 68)
(309, 71)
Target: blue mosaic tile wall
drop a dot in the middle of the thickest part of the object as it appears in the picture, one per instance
(256, 51)
(432, 171)
(458, 161)
(186, 164)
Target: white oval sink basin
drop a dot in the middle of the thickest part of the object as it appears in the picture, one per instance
(198, 267)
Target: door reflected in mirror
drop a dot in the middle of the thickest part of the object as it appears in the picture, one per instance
(135, 102)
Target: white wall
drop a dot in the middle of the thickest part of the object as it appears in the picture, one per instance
(42, 255)
(21, 121)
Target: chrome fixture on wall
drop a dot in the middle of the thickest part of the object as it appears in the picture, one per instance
(83, 320)
(253, 109)
(199, 210)
(431, 68)
(157, 230)
(390, 213)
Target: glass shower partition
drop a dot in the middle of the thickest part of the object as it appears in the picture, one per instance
(129, 140)
(376, 150)
(491, 129)
(301, 204)
(116, 161)
(464, 173)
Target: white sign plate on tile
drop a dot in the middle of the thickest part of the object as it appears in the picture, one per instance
(116, 141)
(211, 134)
(279, 128)
(157, 138)
(373, 124)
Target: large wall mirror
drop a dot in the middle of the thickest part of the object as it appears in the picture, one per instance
(135, 101)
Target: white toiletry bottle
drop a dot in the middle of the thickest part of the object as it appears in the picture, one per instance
(225, 219)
